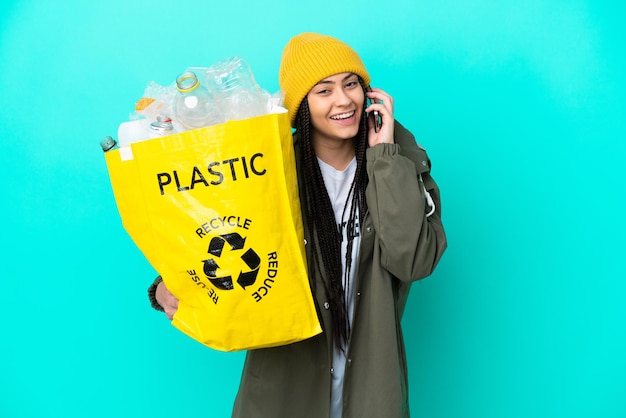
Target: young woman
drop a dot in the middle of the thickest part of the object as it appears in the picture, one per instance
(372, 220)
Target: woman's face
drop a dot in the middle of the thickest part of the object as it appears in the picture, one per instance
(336, 107)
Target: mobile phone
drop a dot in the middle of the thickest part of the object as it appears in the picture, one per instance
(378, 121)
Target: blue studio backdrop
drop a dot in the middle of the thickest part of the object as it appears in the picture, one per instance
(521, 106)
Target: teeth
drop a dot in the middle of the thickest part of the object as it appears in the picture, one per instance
(342, 116)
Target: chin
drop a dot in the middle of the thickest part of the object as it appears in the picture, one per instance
(351, 133)
(348, 131)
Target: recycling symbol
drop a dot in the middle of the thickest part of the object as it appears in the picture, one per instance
(217, 250)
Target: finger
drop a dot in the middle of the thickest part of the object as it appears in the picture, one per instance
(379, 94)
(385, 109)
(171, 305)
(170, 310)
(381, 103)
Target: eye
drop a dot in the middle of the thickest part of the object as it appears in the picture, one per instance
(352, 82)
(323, 91)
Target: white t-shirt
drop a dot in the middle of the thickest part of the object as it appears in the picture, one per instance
(338, 184)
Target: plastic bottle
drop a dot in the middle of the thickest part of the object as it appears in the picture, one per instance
(108, 143)
(235, 88)
(142, 129)
(194, 106)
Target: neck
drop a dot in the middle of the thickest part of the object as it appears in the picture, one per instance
(336, 154)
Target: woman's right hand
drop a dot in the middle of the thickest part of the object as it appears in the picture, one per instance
(168, 301)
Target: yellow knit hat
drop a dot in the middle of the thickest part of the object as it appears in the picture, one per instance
(309, 58)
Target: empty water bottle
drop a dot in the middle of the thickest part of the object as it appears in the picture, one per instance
(194, 106)
(235, 88)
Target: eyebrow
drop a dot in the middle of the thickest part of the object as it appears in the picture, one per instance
(332, 82)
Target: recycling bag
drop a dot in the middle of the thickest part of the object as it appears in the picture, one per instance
(216, 212)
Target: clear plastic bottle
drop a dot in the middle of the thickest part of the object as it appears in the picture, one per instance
(194, 106)
(235, 88)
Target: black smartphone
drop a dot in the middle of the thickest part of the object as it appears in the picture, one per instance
(378, 121)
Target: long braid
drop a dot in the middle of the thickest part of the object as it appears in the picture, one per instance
(321, 222)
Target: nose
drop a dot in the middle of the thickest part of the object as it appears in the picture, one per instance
(342, 98)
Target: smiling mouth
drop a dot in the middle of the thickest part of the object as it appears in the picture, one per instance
(343, 116)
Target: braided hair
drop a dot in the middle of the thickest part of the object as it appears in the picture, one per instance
(326, 234)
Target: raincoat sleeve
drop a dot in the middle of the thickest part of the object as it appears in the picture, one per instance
(405, 207)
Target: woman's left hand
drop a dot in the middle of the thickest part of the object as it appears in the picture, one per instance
(383, 103)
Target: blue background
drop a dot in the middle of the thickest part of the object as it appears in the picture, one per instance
(521, 106)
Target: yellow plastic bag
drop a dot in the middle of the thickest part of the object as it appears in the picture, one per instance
(216, 213)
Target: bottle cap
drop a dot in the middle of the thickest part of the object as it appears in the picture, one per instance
(163, 125)
(107, 143)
